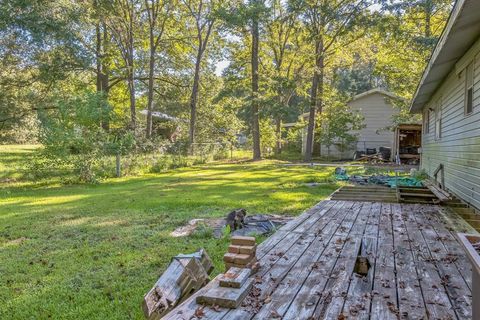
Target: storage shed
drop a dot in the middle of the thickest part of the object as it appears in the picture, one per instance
(378, 110)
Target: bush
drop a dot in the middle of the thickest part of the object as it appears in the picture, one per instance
(72, 135)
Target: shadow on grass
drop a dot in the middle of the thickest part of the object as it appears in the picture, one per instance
(92, 251)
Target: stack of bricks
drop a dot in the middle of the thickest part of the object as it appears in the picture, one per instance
(241, 253)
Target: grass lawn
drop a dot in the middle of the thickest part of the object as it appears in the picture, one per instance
(93, 251)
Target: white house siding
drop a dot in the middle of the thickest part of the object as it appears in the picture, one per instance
(458, 148)
(377, 112)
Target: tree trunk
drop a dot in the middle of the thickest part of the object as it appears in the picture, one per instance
(151, 72)
(131, 89)
(102, 79)
(131, 78)
(278, 148)
(428, 16)
(194, 98)
(255, 124)
(316, 97)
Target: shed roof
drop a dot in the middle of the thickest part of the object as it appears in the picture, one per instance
(373, 91)
(160, 115)
(363, 95)
(460, 33)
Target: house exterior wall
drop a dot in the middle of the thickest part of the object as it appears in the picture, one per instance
(378, 113)
(454, 140)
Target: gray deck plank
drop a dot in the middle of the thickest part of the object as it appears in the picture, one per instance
(313, 289)
(435, 296)
(280, 298)
(410, 295)
(358, 300)
(418, 269)
(384, 295)
(453, 281)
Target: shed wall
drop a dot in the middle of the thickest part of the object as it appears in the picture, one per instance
(378, 112)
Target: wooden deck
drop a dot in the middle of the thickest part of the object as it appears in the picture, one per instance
(417, 268)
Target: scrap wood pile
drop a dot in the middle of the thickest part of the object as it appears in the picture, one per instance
(185, 275)
(189, 273)
(372, 158)
(231, 288)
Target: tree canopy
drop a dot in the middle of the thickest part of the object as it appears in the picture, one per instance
(132, 58)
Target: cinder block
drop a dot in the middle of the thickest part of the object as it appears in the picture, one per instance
(243, 241)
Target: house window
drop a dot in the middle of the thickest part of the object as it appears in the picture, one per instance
(438, 121)
(469, 89)
(426, 122)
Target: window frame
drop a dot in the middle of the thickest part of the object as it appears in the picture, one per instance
(438, 120)
(469, 88)
(426, 121)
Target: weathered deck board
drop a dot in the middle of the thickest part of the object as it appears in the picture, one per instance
(410, 295)
(384, 299)
(435, 296)
(418, 269)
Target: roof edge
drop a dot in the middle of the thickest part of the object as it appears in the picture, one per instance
(457, 8)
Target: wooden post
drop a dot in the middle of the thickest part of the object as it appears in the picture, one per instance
(117, 165)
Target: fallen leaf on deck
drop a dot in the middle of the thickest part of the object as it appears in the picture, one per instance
(199, 313)
(274, 314)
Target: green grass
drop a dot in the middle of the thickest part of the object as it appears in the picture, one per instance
(93, 251)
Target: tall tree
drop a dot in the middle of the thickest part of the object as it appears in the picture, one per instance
(247, 18)
(283, 39)
(255, 97)
(123, 25)
(158, 12)
(326, 21)
(102, 42)
(202, 12)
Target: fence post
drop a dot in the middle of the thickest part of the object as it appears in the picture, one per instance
(117, 165)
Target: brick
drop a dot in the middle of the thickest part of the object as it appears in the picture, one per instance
(229, 257)
(242, 258)
(234, 248)
(251, 250)
(243, 241)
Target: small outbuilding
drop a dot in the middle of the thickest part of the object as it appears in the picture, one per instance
(378, 110)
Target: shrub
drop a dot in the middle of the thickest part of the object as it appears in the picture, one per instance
(72, 134)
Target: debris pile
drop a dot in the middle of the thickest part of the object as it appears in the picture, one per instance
(259, 224)
(186, 274)
(241, 253)
(377, 179)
